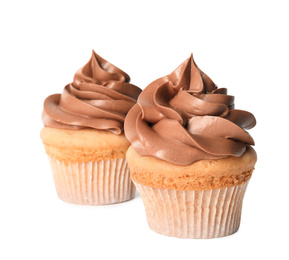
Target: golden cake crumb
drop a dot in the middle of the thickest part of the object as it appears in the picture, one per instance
(83, 145)
(201, 175)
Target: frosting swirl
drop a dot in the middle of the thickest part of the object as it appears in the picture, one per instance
(99, 97)
(184, 117)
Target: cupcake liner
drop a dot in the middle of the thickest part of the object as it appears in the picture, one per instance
(93, 183)
(193, 214)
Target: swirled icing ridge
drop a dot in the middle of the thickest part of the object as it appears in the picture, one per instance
(99, 97)
(184, 117)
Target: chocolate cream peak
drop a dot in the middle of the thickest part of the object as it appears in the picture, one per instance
(99, 97)
(184, 117)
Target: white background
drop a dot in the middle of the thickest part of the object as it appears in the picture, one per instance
(241, 45)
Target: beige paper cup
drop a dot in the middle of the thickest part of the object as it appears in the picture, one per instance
(93, 183)
(193, 214)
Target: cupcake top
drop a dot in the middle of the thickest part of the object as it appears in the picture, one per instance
(99, 97)
(184, 117)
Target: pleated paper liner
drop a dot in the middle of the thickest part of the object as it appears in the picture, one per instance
(193, 214)
(93, 183)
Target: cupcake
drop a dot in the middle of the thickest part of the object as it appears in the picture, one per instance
(191, 157)
(83, 135)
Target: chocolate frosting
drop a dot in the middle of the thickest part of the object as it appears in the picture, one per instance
(99, 97)
(184, 117)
